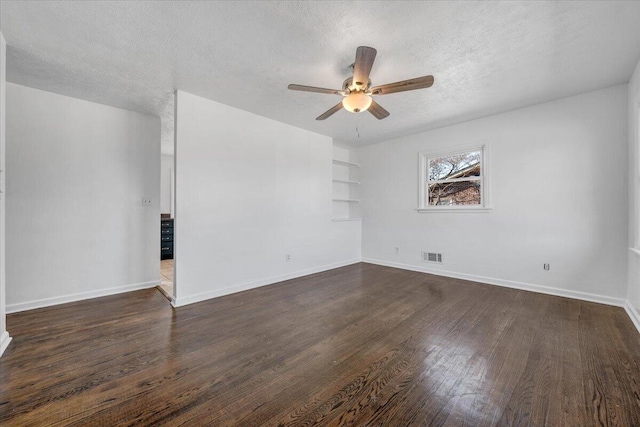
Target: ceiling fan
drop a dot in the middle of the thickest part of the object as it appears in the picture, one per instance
(357, 90)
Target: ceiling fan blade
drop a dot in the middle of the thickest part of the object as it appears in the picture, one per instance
(365, 56)
(403, 86)
(314, 89)
(377, 111)
(330, 112)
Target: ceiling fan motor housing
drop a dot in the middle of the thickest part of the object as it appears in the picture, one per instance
(349, 86)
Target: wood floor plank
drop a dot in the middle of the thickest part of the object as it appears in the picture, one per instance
(355, 346)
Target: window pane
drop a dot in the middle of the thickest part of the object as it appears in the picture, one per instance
(456, 166)
(454, 193)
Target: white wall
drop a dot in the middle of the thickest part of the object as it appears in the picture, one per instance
(166, 168)
(558, 191)
(248, 191)
(4, 335)
(77, 172)
(633, 285)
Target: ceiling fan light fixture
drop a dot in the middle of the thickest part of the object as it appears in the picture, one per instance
(356, 102)
(357, 90)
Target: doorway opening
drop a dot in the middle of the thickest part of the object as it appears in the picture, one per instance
(167, 213)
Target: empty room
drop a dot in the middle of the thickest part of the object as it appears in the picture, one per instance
(320, 213)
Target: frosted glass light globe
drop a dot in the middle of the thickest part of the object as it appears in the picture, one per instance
(356, 102)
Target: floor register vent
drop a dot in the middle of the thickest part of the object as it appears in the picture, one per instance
(432, 257)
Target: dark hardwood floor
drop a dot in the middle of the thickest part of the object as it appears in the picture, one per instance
(362, 345)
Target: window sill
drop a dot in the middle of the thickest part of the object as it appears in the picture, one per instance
(454, 210)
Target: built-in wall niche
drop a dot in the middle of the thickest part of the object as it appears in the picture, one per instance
(346, 182)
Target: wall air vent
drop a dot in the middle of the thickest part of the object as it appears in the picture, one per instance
(432, 257)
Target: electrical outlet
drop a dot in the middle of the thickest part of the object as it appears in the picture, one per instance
(287, 257)
(546, 267)
(396, 250)
(146, 201)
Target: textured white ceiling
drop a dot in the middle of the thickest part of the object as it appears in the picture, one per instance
(487, 57)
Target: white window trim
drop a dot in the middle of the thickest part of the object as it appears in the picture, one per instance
(635, 140)
(485, 207)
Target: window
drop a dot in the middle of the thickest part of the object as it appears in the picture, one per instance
(454, 181)
(636, 184)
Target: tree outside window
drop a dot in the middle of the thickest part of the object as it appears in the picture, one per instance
(453, 180)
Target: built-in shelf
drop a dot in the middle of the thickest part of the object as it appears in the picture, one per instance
(346, 181)
(344, 208)
(343, 163)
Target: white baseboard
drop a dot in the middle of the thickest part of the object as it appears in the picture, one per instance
(633, 314)
(182, 301)
(585, 296)
(5, 339)
(30, 305)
